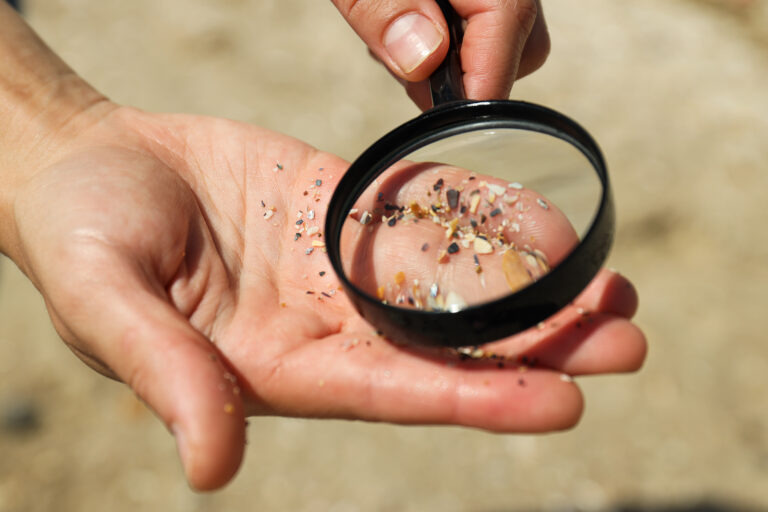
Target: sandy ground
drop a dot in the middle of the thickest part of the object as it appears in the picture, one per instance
(675, 93)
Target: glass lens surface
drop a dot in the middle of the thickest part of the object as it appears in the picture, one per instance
(469, 219)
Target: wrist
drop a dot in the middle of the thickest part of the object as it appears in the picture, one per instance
(43, 104)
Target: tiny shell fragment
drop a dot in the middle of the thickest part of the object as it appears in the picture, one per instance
(416, 210)
(542, 260)
(482, 246)
(515, 273)
(473, 203)
(454, 302)
(452, 225)
(496, 189)
(400, 278)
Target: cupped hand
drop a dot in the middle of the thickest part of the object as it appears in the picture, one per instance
(179, 254)
(503, 41)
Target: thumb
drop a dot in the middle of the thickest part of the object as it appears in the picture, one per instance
(182, 377)
(409, 36)
(174, 369)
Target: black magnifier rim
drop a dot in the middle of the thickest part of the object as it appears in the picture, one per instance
(504, 316)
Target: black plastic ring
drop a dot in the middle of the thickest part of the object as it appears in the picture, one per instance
(504, 316)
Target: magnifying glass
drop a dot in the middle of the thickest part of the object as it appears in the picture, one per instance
(472, 222)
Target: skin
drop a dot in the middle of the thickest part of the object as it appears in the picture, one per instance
(145, 234)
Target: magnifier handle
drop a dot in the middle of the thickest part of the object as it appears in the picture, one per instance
(446, 83)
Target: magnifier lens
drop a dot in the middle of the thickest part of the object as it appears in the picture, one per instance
(468, 219)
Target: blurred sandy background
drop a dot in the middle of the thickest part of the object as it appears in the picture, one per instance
(674, 90)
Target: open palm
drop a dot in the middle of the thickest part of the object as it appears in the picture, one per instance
(166, 249)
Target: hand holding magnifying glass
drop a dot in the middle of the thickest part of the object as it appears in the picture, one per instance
(504, 41)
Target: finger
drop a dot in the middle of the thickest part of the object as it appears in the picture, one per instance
(409, 36)
(435, 227)
(420, 94)
(537, 46)
(357, 376)
(399, 264)
(170, 366)
(579, 345)
(609, 292)
(592, 336)
(503, 41)
(597, 344)
(495, 44)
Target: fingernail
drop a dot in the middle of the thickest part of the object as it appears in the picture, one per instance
(410, 39)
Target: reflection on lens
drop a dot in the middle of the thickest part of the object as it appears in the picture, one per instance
(443, 236)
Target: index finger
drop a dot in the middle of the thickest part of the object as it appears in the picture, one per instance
(501, 39)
